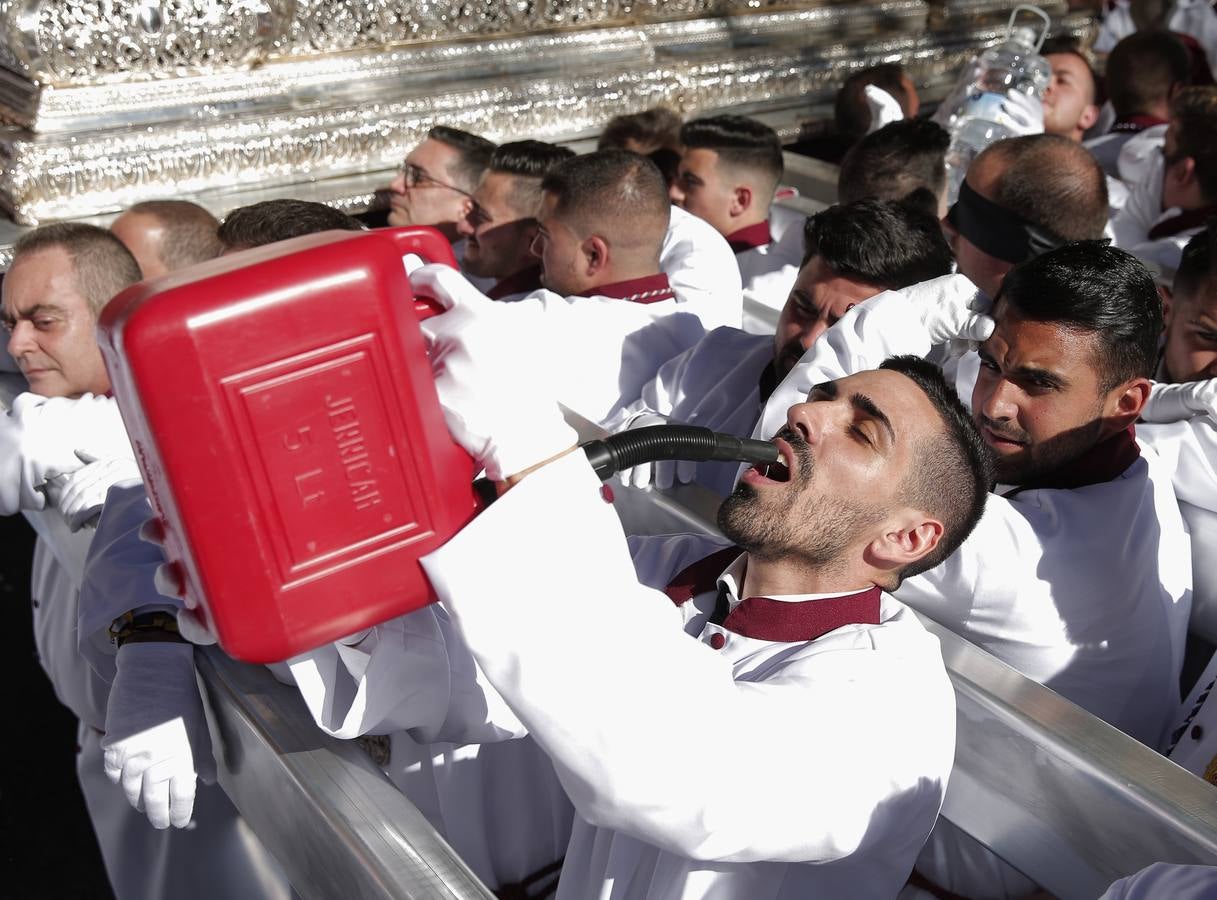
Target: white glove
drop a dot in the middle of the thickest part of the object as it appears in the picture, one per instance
(952, 310)
(1175, 402)
(156, 732)
(83, 492)
(1021, 113)
(496, 403)
(883, 108)
(662, 474)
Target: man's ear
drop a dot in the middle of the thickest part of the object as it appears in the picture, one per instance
(1168, 300)
(466, 206)
(741, 200)
(595, 254)
(1089, 116)
(1127, 403)
(906, 539)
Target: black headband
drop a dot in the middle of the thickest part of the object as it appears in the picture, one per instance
(995, 230)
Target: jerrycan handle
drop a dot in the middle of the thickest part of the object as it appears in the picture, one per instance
(1045, 22)
(432, 247)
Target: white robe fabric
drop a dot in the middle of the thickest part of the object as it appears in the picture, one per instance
(698, 262)
(695, 771)
(1165, 880)
(715, 384)
(768, 273)
(218, 856)
(1087, 591)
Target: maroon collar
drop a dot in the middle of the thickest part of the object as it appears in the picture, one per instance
(648, 289)
(1185, 221)
(1134, 124)
(750, 238)
(523, 282)
(765, 619)
(1105, 461)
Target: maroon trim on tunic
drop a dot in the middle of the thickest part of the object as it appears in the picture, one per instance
(750, 238)
(765, 619)
(1105, 461)
(648, 289)
(1134, 124)
(523, 282)
(1186, 220)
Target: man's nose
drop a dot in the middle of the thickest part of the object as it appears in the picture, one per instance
(21, 339)
(675, 194)
(398, 184)
(999, 404)
(812, 332)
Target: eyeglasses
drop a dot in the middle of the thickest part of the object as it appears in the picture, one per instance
(416, 177)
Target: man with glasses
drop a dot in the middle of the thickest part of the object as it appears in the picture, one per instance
(435, 183)
(1179, 193)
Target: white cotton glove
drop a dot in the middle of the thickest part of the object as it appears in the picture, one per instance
(496, 403)
(664, 473)
(1021, 113)
(156, 739)
(883, 108)
(953, 312)
(1175, 402)
(168, 583)
(83, 493)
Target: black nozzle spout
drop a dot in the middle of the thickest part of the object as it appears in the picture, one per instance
(627, 449)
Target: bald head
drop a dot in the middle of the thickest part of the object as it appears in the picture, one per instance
(166, 235)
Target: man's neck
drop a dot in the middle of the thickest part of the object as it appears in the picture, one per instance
(747, 220)
(784, 577)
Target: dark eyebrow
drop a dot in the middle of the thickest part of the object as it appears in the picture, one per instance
(1037, 374)
(828, 388)
(867, 405)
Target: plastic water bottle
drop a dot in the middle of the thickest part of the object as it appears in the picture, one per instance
(980, 110)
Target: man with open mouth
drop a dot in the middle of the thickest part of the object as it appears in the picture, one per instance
(1079, 573)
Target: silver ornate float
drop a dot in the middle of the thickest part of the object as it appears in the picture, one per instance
(115, 101)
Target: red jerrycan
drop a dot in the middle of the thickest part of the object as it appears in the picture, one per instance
(285, 419)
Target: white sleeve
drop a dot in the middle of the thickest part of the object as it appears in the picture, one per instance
(660, 394)
(1188, 449)
(884, 326)
(1162, 880)
(414, 674)
(39, 437)
(639, 717)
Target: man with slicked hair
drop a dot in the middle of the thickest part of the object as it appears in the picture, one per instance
(1063, 377)
(728, 174)
(166, 235)
(852, 252)
(271, 221)
(502, 224)
(435, 182)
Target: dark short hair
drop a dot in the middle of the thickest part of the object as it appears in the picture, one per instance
(103, 265)
(278, 220)
(654, 128)
(1068, 44)
(528, 162)
(851, 112)
(1054, 184)
(1194, 113)
(888, 243)
(952, 474)
(613, 190)
(1093, 288)
(894, 161)
(738, 141)
(1142, 69)
(473, 154)
(1198, 263)
(190, 232)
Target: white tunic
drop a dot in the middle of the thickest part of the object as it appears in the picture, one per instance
(769, 270)
(715, 384)
(701, 762)
(1165, 880)
(698, 263)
